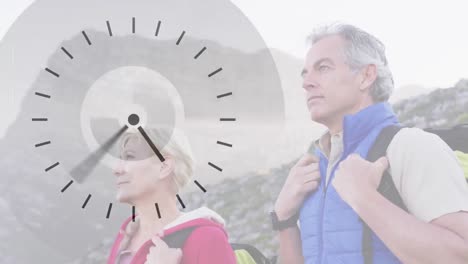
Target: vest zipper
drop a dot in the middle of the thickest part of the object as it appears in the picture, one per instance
(322, 209)
(324, 196)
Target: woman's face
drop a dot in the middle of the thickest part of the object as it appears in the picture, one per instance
(139, 172)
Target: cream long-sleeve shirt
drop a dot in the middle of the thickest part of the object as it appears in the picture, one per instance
(425, 170)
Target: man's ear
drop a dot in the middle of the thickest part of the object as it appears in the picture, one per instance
(369, 75)
(167, 167)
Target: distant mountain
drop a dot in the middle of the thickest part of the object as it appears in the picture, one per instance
(408, 91)
(289, 68)
(440, 108)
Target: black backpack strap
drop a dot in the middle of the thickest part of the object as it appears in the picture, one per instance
(253, 251)
(178, 238)
(386, 187)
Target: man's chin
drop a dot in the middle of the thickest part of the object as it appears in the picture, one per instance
(317, 116)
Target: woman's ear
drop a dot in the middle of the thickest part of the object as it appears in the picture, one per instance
(167, 167)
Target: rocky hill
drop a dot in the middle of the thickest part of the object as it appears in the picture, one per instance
(440, 108)
(37, 216)
(246, 201)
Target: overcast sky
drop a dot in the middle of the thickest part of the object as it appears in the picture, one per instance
(426, 41)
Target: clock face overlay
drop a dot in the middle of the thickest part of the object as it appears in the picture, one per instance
(84, 73)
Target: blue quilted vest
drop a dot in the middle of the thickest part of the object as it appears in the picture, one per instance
(331, 231)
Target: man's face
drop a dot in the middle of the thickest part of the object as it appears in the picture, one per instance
(332, 88)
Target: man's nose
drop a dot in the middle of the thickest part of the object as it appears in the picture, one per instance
(309, 82)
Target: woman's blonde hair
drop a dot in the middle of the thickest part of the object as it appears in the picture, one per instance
(172, 142)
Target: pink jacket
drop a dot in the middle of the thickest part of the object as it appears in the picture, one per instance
(207, 244)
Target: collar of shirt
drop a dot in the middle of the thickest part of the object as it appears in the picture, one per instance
(326, 142)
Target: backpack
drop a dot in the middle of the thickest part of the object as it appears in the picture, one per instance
(456, 138)
(245, 254)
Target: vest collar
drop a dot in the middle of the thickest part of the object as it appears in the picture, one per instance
(357, 126)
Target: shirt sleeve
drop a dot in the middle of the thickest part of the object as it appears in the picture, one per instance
(213, 246)
(427, 174)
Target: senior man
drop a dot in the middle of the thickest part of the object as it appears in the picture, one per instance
(333, 194)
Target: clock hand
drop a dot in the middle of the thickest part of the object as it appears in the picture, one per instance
(85, 167)
(153, 147)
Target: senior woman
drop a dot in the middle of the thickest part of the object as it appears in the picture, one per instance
(151, 186)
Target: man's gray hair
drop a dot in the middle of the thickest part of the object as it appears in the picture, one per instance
(362, 49)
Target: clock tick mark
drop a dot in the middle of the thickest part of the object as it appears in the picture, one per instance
(200, 53)
(180, 201)
(215, 72)
(133, 25)
(224, 144)
(68, 53)
(214, 166)
(86, 201)
(109, 29)
(224, 95)
(42, 144)
(52, 72)
(157, 28)
(109, 210)
(40, 119)
(66, 186)
(227, 119)
(200, 186)
(52, 166)
(157, 210)
(86, 37)
(133, 213)
(180, 38)
(42, 95)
